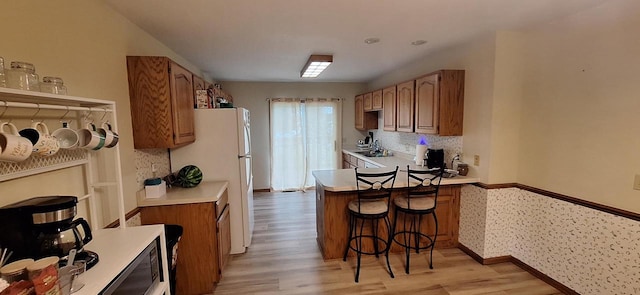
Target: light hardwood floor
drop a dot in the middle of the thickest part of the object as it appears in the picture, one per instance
(284, 259)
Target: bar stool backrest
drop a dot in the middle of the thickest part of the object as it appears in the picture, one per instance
(423, 184)
(374, 186)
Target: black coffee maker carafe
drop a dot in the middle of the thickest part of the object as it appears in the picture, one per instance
(44, 226)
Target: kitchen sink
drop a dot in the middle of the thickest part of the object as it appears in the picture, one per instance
(370, 154)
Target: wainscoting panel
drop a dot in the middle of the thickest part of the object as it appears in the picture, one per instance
(500, 219)
(586, 250)
(589, 251)
(473, 218)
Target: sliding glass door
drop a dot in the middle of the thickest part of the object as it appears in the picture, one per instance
(304, 138)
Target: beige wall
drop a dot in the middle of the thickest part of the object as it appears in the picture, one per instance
(253, 95)
(477, 58)
(506, 107)
(581, 114)
(85, 42)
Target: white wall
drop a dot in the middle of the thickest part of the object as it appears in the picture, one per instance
(581, 114)
(253, 95)
(86, 43)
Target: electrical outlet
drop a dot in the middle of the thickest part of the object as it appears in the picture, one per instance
(154, 167)
(476, 160)
(636, 182)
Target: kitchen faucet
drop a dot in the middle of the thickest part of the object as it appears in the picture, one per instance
(456, 157)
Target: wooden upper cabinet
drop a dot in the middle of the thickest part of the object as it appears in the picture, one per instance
(405, 96)
(440, 103)
(367, 102)
(161, 96)
(364, 120)
(389, 108)
(376, 100)
(359, 115)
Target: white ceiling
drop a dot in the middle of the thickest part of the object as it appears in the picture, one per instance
(270, 40)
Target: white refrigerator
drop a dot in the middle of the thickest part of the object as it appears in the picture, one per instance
(222, 151)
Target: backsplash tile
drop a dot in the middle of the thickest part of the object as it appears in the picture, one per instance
(406, 142)
(145, 158)
(587, 250)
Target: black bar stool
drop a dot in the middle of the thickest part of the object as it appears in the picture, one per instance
(374, 195)
(421, 199)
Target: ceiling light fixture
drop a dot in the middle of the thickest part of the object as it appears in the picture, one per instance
(371, 40)
(418, 42)
(315, 65)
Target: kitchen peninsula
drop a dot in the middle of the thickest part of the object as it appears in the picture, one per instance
(336, 188)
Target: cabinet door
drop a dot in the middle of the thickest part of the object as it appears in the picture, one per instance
(224, 239)
(359, 115)
(389, 108)
(376, 100)
(405, 106)
(367, 102)
(182, 103)
(150, 102)
(427, 108)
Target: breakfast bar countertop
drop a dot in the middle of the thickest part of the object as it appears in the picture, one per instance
(207, 191)
(344, 179)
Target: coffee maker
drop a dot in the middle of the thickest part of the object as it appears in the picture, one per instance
(435, 158)
(45, 226)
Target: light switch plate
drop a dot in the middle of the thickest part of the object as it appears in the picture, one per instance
(476, 160)
(636, 182)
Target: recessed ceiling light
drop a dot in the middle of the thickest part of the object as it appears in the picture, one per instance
(371, 40)
(418, 42)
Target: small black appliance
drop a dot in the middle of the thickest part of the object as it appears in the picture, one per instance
(44, 226)
(435, 158)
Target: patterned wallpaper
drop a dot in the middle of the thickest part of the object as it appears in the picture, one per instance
(473, 218)
(589, 251)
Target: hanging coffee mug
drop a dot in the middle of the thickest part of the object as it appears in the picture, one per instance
(67, 137)
(111, 138)
(43, 143)
(13, 147)
(89, 138)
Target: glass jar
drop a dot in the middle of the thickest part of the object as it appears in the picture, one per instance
(22, 75)
(53, 85)
(463, 169)
(2, 79)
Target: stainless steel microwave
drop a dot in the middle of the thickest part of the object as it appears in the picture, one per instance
(141, 276)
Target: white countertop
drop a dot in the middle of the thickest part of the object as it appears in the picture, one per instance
(116, 248)
(205, 192)
(345, 179)
(396, 160)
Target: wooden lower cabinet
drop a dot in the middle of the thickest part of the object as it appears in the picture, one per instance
(204, 248)
(332, 220)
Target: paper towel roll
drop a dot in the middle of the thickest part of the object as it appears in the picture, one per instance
(421, 150)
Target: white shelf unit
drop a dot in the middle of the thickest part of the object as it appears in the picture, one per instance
(14, 99)
(116, 247)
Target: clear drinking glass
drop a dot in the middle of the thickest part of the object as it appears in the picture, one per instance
(53, 85)
(22, 75)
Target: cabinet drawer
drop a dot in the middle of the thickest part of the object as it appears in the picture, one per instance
(224, 199)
